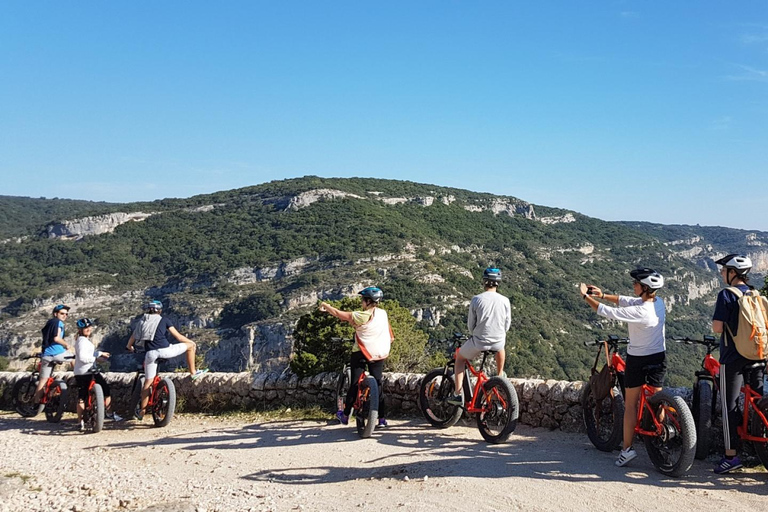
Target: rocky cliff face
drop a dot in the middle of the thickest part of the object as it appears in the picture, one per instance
(78, 228)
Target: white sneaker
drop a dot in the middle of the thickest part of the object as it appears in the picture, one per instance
(116, 417)
(625, 456)
(82, 426)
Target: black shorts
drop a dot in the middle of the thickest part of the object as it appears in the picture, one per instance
(84, 381)
(645, 370)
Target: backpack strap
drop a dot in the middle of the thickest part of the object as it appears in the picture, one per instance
(738, 293)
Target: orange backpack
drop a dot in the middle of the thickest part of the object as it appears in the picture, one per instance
(751, 337)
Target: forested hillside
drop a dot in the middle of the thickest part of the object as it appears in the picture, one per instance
(267, 253)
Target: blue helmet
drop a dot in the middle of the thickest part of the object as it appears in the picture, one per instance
(84, 322)
(59, 307)
(492, 274)
(372, 293)
(153, 305)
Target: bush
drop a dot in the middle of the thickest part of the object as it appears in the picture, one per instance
(255, 307)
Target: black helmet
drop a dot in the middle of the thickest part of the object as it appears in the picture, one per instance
(84, 322)
(741, 264)
(492, 274)
(153, 305)
(648, 277)
(372, 293)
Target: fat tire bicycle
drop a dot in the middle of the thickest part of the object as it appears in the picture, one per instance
(705, 393)
(54, 400)
(162, 396)
(493, 400)
(603, 418)
(754, 421)
(93, 408)
(663, 421)
(366, 405)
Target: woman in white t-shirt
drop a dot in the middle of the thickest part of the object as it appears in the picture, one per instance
(646, 353)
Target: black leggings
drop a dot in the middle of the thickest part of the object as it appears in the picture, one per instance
(358, 362)
(730, 388)
(84, 381)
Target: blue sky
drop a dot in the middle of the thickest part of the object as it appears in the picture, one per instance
(625, 110)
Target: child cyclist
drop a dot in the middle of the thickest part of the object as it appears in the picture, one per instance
(154, 330)
(646, 353)
(85, 355)
(373, 340)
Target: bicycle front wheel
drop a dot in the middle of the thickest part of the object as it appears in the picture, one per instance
(671, 451)
(368, 415)
(759, 429)
(498, 420)
(345, 381)
(603, 419)
(165, 402)
(57, 402)
(94, 414)
(436, 387)
(702, 416)
(23, 396)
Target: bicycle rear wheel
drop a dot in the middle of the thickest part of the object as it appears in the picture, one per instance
(23, 397)
(57, 402)
(368, 415)
(672, 451)
(757, 428)
(165, 402)
(345, 381)
(498, 399)
(702, 416)
(604, 420)
(94, 414)
(436, 387)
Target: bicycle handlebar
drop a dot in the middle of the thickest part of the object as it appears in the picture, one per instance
(612, 340)
(708, 341)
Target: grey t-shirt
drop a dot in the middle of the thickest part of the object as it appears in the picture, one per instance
(490, 316)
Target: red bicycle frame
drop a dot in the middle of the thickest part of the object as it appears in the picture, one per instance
(750, 396)
(647, 392)
(482, 378)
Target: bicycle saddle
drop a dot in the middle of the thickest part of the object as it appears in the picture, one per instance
(757, 365)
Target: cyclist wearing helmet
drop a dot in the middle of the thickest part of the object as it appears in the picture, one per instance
(153, 330)
(725, 321)
(488, 321)
(646, 353)
(85, 355)
(54, 346)
(373, 340)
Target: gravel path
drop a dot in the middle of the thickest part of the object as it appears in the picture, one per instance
(239, 464)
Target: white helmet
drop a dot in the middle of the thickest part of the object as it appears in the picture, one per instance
(648, 277)
(741, 264)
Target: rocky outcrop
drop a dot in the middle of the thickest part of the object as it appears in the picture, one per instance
(78, 228)
(560, 219)
(312, 196)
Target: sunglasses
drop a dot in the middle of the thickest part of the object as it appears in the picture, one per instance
(63, 313)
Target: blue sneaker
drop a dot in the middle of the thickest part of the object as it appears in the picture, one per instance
(727, 465)
(199, 373)
(343, 418)
(382, 423)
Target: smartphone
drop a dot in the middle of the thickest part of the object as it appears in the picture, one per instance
(589, 290)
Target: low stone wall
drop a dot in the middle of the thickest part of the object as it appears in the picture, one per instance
(543, 403)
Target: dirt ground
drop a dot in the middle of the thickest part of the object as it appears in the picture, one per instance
(240, 463)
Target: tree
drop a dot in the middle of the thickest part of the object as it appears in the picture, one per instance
(316, 350)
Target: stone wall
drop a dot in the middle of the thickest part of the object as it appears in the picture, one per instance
(543, 403)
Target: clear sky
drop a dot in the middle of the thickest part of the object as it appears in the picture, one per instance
(623, 110)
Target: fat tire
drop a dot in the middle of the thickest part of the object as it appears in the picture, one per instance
(432, 398)
(162, 411)
(683, 446)
(758, 429)
(135, 402)
(367, 418)
(702, 416)
(23, 395)
(611, 412)
(504, 414)
(96, 413)
(345, 381)
(57, 402)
